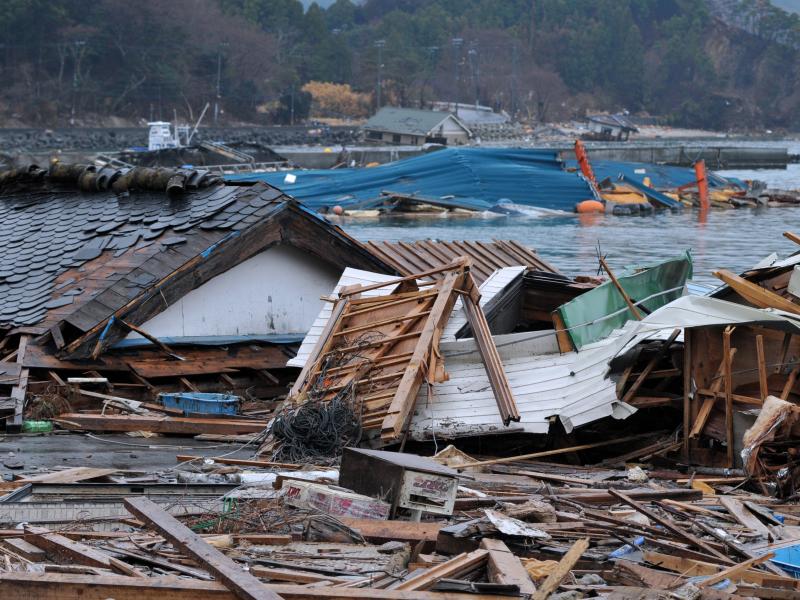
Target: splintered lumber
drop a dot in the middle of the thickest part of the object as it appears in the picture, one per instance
(402, 405)
(63, 586)
(378, 532)
(150, 338)
(669, 526)
(62, 547)
(161, 424)
(490, 357)
(241, 583)
(19, 391)
(743, 515)
(734, 570)
(505, 568)
(755, 294)
(73, 475)
(708, 403)
(454, 568)
(692, 568)
(240, 461)
(497, 461)
(565, 565)
(650, 366)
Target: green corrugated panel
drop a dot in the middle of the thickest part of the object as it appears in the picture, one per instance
(587, 316)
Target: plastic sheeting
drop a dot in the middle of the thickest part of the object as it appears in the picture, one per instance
(596, 313)
(472, 178)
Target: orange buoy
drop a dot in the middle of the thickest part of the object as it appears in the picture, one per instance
(590, 206)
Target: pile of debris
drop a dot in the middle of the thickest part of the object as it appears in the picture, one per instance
(495, 527)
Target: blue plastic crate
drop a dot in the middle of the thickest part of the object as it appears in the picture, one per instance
(788, 559)
(201, 403)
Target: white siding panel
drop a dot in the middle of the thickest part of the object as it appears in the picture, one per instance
(276, 291)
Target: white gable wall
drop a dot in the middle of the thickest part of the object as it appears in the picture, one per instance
(276, 291)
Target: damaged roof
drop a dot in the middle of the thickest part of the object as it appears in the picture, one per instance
(486, 257)
(79, 243)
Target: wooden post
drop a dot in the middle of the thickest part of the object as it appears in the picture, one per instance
(687, 391)
(762, 368)
(628, 301)
(240, 582)
(728, 375)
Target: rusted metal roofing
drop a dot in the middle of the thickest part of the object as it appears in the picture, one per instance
(423, 255)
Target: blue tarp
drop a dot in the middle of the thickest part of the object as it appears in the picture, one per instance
(661, 176)
(474, 178)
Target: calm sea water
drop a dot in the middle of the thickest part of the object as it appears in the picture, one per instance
(731, 239)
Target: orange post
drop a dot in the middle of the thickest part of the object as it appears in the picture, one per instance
(583, 161)
(702, 184)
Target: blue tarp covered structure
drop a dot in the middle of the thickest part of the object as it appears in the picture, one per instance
(473, 178)
(662, 177)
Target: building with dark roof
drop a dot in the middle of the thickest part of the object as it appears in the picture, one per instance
(411, 126)
(94, 264)
(610, 127)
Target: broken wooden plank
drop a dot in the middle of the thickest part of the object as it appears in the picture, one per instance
(72, 475)
(24, 549)
(241, 583)
(64, 548)
(175, 425)
(692, 568)
(505, 568)
(631, 306)
(762, 368)
(755, 294)
(743, 515)
(379, 532)
(454, 568)
(62, 586)
(734, 570)
(565, 565)
(669, 526)
(19, 390)
(490, 356)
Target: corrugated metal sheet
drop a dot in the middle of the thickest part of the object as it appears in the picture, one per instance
(414, 257)
(572, 387)
(473, 178)
(662, 177)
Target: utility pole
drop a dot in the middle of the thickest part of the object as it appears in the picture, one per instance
(219, 81)
(473, 63)
(379, 44)
(456, 43)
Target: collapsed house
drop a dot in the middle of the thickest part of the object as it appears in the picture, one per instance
(158, 279)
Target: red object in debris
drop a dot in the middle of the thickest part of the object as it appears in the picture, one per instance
(583, 161)
(338, 210)
(590, 206)
(702, 183)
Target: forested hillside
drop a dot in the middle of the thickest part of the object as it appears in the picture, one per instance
(725, 64)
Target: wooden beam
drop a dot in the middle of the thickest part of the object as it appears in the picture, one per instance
(176, 425)
(792, 237)
(563, 568)
(490, 357)
(57, 545)
(19, 391)
(650, 366)
(631, 306)
(735, 570)
(505, 568)
(708, 403)
(762, 368)
(755, 294)
(743, 515)
(670, 526)
(150, 338)
(687, 392)
(497, 461)
(62, 586)
(240, 582)
(728, 375)
(455, 568)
